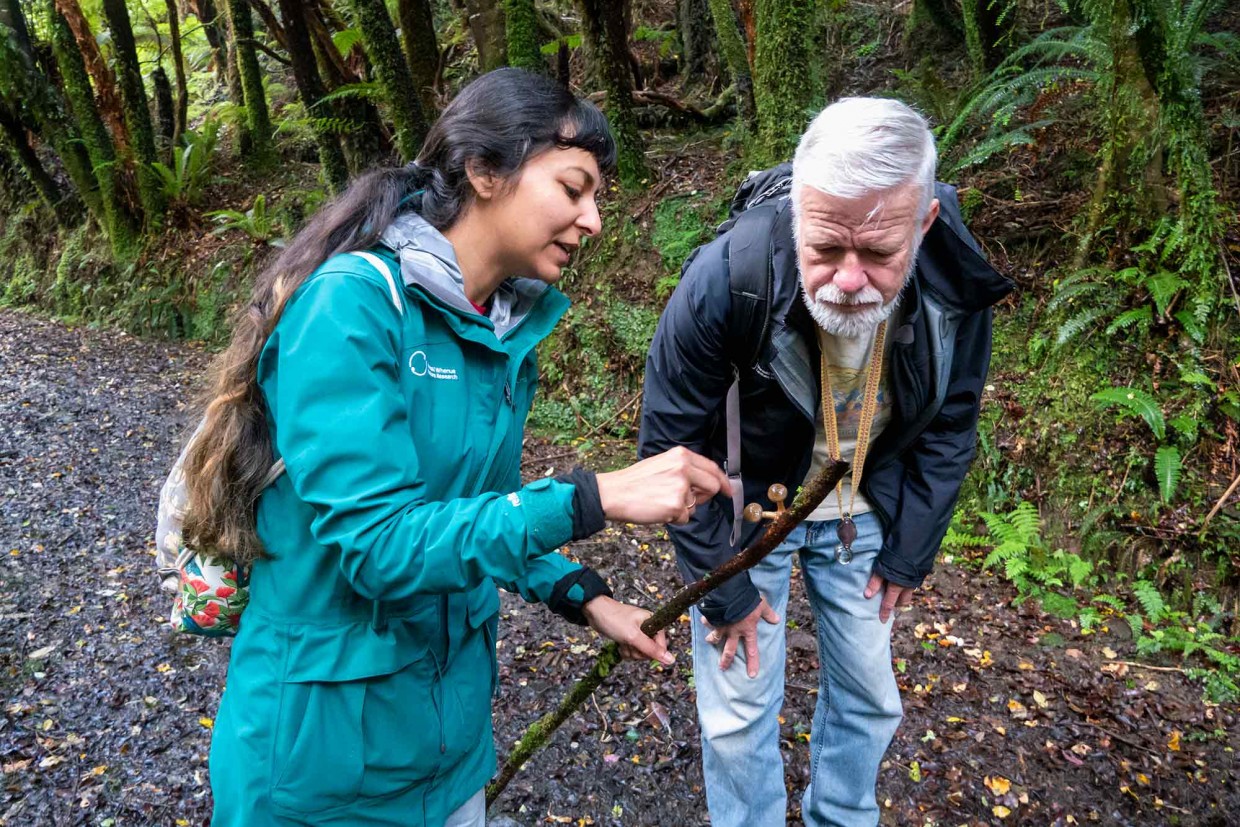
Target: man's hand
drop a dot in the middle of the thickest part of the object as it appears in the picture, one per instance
(894, 597)
(623, 624)
(747, 629)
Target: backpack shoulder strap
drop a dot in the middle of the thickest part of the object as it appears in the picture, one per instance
(751, 275)
(278, 467)
(378, 264)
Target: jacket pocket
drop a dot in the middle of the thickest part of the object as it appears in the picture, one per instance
(318, 758)
(483, 610)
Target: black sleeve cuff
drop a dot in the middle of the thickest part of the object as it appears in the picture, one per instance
(592, 586)
(587, 505)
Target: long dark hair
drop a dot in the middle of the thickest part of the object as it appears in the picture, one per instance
(494, 125)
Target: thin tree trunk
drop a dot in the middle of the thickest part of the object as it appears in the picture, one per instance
(121, 217)
(209, 17)
(697, 36)
(262, 150)
(736, 55)
(486, 23)
(271, 22)
(521, 34)
(19, 141)
(393, 74)
(607, 39)
(165, 113)
(178, 68)
(137, 114)
(109, 98)
(310, 85)
(417, 30)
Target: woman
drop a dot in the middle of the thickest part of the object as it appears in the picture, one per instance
(395, 385)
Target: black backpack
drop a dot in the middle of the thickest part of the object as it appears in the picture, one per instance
(757, 206)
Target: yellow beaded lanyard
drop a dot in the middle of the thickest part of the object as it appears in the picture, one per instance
(846, 531)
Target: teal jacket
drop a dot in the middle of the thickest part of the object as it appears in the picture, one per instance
(360, 682)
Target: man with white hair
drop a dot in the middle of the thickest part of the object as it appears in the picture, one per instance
(852, 281)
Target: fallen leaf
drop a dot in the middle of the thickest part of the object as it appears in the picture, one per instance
(997, 785)
(1173, 741)
(1040, 699)
(1000, 811)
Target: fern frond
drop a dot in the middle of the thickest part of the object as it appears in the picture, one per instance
(1070, 329)
(1138, 316)
(1151, 600)
(1067, 291)
(1163, 288)
(1134, 401)
(370, 90)
(1167, 467)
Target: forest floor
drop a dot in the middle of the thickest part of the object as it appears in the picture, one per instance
(1012, 716)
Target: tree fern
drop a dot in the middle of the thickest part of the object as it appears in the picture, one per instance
(1167, 470)
(1136, 402)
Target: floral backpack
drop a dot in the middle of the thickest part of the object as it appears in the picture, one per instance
(209, 590)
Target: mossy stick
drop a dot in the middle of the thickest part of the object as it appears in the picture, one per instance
(540, 731)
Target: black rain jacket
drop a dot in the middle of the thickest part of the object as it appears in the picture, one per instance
(939, 357)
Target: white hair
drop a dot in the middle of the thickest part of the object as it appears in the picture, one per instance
(859, 146)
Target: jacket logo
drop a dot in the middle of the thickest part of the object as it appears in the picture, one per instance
(419, 366)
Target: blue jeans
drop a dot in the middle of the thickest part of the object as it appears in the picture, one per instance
(858, 707)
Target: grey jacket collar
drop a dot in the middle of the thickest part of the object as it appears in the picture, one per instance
(428, 261)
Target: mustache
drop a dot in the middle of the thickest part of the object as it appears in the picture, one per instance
(830, 294)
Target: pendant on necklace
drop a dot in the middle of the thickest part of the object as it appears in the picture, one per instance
(846, 531)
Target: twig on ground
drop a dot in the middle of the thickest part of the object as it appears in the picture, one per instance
(1231, 489)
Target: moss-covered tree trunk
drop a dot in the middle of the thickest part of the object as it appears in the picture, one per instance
(262, 151)
(736, 55)
(106, 93)
(985, 31)
(36, 102)
(417, 30)
(486, 23)
(783, 80)
(137, 113)
(181, 111)
(165, 113)
(1155, 157)
(365, 144)
(383, 49)
(697, 37)
(310, 85)
(521, 31)
(607, 41)
(18, 141)
(123, 226)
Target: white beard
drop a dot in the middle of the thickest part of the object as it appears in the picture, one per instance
(858, 323)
